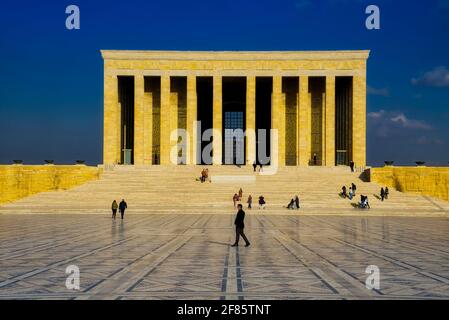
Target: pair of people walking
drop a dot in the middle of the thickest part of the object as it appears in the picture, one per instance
(121, 207)
(255, 167)
(384, 193)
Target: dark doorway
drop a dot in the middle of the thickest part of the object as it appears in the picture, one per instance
(153, 87)
(178, 85)
(126, 99)
(204, 91)
(290, 87)
(264, 88)
(234, 113)
(317, 89)
(343, 120)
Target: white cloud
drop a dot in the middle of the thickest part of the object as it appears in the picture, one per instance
(409, 123)
(377, 92)
(376, 115)
(438, 77)
(388, 123)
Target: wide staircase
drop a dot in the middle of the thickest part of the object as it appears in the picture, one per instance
(160, 190)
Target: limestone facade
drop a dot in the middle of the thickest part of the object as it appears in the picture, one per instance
(304, 107)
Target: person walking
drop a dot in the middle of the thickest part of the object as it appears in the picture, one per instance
(354, 188)
(297, 202)
(291, 204)
(343, 192)
(122, 207)
(239, 226)
(240, 194)
(387, 192)
(114, 209)
(351, 165)
(315, 159)
(249, 202)
(382, 194)
(254, 166)
(350, 193)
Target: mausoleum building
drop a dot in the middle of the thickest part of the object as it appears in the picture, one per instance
(303, 108)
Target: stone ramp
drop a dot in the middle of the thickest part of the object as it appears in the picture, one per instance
(160, 189)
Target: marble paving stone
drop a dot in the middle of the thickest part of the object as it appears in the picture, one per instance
(180, 256)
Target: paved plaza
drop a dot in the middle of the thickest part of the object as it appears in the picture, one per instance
(189, 257)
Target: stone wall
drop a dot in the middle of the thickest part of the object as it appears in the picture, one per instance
(431, 181)
(19, 181)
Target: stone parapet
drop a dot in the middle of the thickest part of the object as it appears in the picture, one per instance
(19, 181)
(430, 181)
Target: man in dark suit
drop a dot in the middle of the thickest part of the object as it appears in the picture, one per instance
(239, 226)
(122, 206)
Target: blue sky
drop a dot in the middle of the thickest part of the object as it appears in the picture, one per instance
(51, 89)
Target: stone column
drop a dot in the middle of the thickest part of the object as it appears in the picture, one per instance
(173, 131)
(217, 119)
(329, 123)
(138, 120)
(148, 128)
(278, 118)
(305, 122)
(191, 119)
(165, 120)
(359, 120)
(111, 134)
(250, 119)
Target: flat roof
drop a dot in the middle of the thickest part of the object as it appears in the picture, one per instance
(234, 55)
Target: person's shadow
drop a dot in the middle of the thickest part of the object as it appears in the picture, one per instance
(220, 243)
(377, 196)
